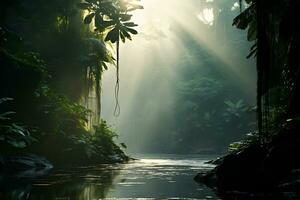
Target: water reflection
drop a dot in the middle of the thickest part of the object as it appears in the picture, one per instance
(161, 177)
(84, 183)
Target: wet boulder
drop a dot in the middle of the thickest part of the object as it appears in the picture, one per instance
(25, 166)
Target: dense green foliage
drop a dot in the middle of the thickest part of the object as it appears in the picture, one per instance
(211, 110)
(274, 30)
(50, 62)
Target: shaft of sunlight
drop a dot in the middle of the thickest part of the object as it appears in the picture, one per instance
(148, 73)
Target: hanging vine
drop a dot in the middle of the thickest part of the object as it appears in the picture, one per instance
(117, 109)
(112, 19)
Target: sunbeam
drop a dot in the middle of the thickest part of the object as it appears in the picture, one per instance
(150, 66)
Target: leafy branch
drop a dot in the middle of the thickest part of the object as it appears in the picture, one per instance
(111, 18)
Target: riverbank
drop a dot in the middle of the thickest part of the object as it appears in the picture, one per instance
(273, 168)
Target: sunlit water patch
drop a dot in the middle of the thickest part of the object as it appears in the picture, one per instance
(166, 177)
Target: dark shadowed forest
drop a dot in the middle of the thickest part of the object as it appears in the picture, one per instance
(149, 99)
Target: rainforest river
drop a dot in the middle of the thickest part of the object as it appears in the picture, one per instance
(149, 177)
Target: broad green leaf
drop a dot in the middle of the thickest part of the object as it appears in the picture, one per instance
(2, 100)
(104, 66)
(88, 19)
(130, 24)
(127, 35)
(3, 116)
(99, 23)
(252, 53)
(102, 24)
(122, 37)
(133, 31)
(243, 20)
(112, 35)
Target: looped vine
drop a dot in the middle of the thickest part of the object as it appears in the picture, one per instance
(117, 110)
(111, 18)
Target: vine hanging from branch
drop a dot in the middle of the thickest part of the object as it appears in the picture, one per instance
(112, 18)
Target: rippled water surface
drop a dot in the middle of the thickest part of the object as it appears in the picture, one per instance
(150, 177)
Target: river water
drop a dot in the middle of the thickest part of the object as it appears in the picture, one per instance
(149, 177)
